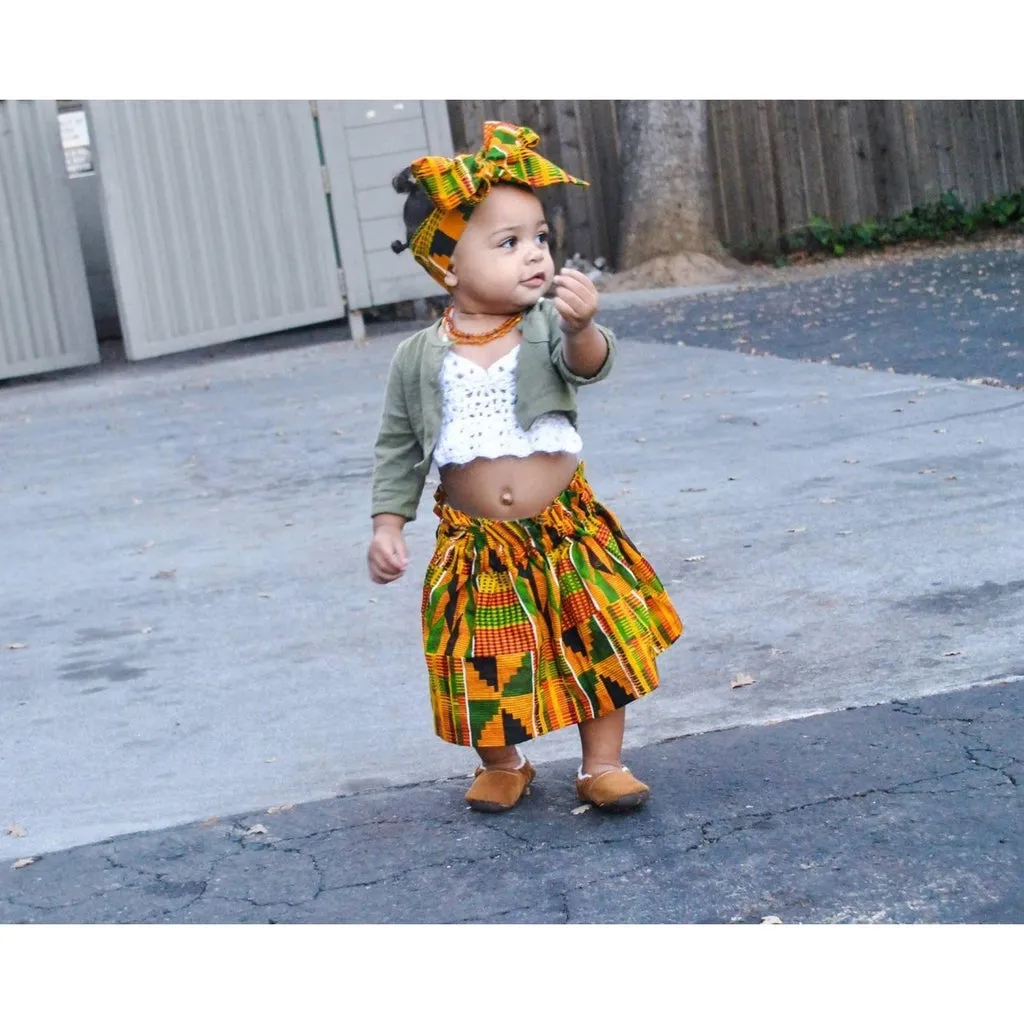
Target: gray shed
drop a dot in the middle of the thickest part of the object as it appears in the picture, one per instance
(201, 222)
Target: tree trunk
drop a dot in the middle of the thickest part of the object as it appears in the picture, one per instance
(666, 180)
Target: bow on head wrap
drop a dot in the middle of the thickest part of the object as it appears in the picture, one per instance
(457, 186)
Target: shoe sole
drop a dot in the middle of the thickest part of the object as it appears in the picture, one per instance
(487, 807)
(629, 802)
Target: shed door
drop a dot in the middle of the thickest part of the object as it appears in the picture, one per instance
(216, 220)
(45, 316)
(366, 143)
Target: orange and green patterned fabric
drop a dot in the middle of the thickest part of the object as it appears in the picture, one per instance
(456, 186)
(536, 624)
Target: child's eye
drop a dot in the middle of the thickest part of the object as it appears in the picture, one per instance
(543, 237)
(509, 243)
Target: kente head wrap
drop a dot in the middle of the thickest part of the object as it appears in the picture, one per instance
(456, 186)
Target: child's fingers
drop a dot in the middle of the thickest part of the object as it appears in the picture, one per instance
(583, 306)
(569, 274)
(399, 553)
(387, 561)
(565, 310)
(383, 574)
(577, 283)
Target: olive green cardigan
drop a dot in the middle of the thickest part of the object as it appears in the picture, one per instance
(411, 420)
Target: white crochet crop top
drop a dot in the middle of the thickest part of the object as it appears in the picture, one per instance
(479, 419)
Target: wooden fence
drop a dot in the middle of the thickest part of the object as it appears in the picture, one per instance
(776, 163)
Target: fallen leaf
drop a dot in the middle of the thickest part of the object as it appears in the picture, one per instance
(952, 654)
(797, 529)
(926, 472)
(278, 808)
(695, 558)
(582, 809)
(15, 831)
(257, 830)
(23, 863)
(269, 760)
(165, 574)
(641, 440)
(207, 822)
(771, 919)
(949, 479)
(851, 462)
(742, 680)
(16, 647)
(827, 501)
(940, 430)
(146, 630)
(264, 595)
(843, 533)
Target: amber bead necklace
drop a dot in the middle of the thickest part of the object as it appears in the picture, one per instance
(464, 338)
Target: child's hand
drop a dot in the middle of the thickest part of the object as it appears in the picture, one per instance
(388, 556)
(576, 300)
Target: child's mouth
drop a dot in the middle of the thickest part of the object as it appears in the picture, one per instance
(536, 281)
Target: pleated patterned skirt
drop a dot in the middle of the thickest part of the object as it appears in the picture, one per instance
(535, 624)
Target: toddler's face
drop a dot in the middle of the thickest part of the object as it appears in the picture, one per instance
(502, 261)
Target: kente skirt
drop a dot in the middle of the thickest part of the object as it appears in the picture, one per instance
(531, 625)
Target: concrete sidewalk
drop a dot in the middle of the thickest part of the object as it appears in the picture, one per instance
(183, 561)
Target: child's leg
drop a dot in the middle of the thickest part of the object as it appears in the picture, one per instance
(602, 780)
(601, 739)
(506, 758)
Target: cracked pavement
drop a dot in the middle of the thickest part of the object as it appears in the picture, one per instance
(902, 812)
(188, 631)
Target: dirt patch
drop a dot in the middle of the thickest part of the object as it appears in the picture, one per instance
(689, 268)
(681, 270)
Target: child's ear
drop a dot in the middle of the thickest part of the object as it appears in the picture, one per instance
(450, 278)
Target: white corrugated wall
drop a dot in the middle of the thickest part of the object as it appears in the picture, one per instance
(216, 220)
(45, 317)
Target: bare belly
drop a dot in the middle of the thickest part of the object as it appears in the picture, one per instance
(509, 487)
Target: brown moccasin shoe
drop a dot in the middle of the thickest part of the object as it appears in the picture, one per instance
(499, 789)
(612, 790)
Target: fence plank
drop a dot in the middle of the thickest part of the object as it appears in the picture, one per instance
(600, 166)
(756, 147)
(1012, 152)
(828, 127)
(812, 159)
(724, 221)
(942, 148)
(898, 175)
(785, 130)
(964, 155)
(861, 155)
(567, 127)
(993, 147)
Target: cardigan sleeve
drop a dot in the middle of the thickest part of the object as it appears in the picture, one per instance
(556, 342)
(397, 483)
